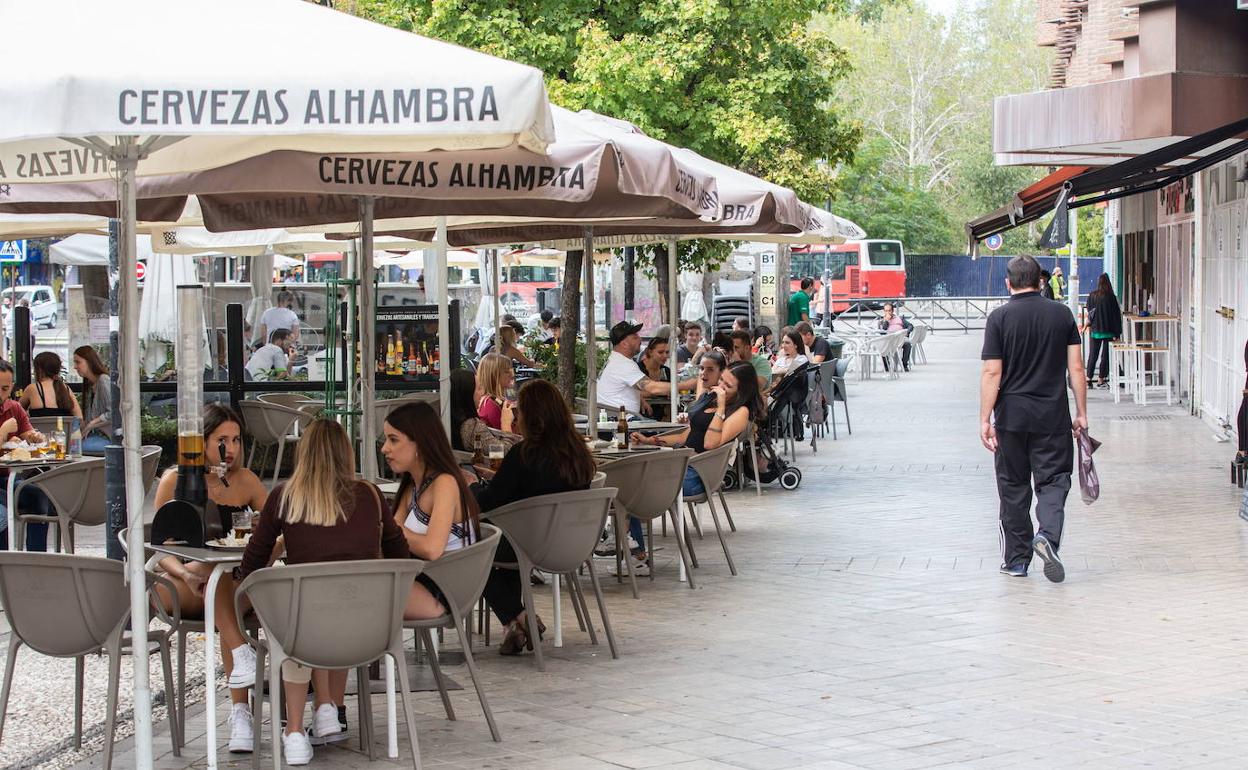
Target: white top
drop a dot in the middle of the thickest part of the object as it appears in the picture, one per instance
(418, 521)
(783, 364)
(279, 318)
(265, 360)
(617, 385)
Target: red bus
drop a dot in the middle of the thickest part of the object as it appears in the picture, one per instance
(857, 270)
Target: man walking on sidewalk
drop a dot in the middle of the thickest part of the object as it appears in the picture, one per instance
(1030, 344)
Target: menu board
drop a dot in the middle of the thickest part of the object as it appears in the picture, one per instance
(406, 340)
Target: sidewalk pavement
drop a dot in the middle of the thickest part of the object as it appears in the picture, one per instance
(869, 627)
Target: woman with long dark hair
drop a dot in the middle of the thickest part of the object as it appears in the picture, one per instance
(734, 403)
(1104, 320)
(552, 458)
(231, 488)
(433, 506)
(48, 395)
(467, 427)
(97, 399)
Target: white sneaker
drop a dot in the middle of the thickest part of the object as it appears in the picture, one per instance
(325, 726)
(242, 737)
(243, 675)
(296, 748)
(641, 568)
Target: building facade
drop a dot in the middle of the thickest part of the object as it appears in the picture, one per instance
(1131, 77)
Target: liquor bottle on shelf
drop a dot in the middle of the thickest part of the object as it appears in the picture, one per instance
(399, 360)
(424, 358)
(435, 365)
(413, 366)
(389, 354)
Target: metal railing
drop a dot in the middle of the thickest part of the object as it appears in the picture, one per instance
(964, 314)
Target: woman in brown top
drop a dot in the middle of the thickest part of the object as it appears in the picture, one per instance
(324, 514)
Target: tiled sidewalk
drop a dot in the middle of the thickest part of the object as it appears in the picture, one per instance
(869, 627)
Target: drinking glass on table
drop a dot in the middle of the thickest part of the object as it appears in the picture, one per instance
(494, 452)
(242, 523)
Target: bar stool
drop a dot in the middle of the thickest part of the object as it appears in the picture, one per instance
(1153, 372)
(1122, 366)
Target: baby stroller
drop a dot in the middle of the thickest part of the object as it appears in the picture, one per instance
(786, 400)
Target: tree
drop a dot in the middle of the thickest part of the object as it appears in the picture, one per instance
(750, 84)
(922, 86)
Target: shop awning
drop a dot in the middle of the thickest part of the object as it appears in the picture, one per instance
(1075, 186)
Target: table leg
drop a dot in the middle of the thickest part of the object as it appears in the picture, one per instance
(557, 594)
(210, 667)
(392, 735)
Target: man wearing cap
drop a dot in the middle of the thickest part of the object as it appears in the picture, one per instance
(622, 383)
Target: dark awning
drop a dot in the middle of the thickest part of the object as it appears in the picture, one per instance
(1083, 186)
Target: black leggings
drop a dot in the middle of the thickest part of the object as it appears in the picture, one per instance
(1098, 349)
(503, 590)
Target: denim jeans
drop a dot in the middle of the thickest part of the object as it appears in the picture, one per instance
(637, 532)
(693, 483)
(94, 444)
(32, 501)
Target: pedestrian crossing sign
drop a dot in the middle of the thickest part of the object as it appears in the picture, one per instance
(12, 251)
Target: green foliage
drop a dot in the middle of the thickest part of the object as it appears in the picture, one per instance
(547, 359)
(751, 84)
(922, 86)
(1091, 231)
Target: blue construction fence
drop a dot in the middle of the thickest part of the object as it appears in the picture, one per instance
(957, 275)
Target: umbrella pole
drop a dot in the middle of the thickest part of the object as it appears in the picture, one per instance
(367, 341)
(591, 336)
(444, 329)
(126, 154)
(497, 318)
(673, 316)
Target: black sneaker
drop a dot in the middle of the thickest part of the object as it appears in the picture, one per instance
(1053, 568)
(1014, 570)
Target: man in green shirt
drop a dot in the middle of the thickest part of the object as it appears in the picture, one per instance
(741, 351)
(799, 302)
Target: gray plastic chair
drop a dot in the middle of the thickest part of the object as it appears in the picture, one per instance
(334, 615)
(649, 484)
(77, 493)
(557, 534)
(292, 400)
(711, 467)
(92, 611)
(839, 393)
(272, 424)
(461, 575)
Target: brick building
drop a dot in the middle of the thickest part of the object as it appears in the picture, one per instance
(1130, 80)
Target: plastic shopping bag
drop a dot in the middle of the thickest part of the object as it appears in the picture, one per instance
(1089, 482)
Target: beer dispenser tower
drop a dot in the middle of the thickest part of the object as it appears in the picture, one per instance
(188, 357)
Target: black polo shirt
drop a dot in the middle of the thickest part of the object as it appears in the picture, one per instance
(820, 347)
(1030, 335)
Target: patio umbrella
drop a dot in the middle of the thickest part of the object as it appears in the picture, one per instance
(98, 110)
(158, 319)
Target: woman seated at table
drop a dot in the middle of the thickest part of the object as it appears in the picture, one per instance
(232, 488)
(97, 400)
(724, 413)
(468, 430)
(508, 345)
(433, 508)
(710, 369)
(552, 458)
(14, 422)
(763, 340)
(495, 376)
(653, 361)
(792, 354)
(322, 514)
(48, 395)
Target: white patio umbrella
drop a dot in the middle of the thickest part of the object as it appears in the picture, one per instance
(158, 319)
(99, 110)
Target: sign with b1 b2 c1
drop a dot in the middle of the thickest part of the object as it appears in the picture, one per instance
(767, 282)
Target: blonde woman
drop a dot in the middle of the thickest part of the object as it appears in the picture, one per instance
(324, 514)
(509, 346)
(495, 376)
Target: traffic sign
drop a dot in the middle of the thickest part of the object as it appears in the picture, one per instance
(140, 270)
(12, 251)
(994, 241)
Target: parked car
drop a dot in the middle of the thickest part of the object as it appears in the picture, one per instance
(42, 305)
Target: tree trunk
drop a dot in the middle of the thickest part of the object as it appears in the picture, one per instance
(570, 325)
(660, 274)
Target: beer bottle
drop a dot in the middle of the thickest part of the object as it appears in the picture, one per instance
(478, 453)
(621, 431)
